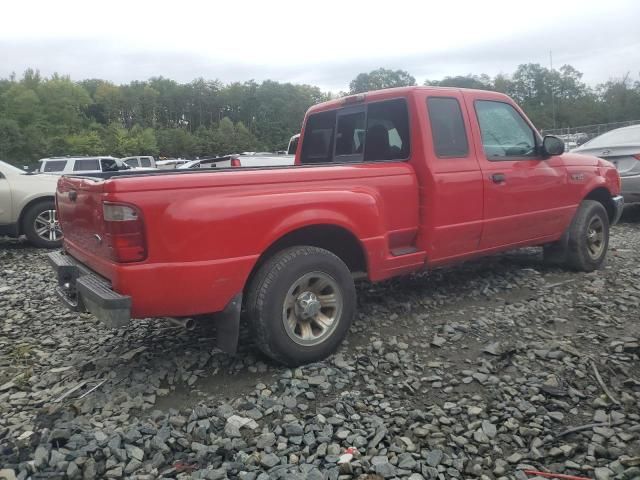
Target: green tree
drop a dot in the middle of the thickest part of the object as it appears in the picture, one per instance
(380, 79)
(85, 143)
(10, 139)
(479, 82)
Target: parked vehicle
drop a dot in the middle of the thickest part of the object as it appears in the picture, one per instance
(293, 144)
(246, 159)
(388, 183)
(27, 206)
(140, 162)
(622, 148)
(81, 165)
(170, 163)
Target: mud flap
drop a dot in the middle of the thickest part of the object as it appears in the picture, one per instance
(227, 325)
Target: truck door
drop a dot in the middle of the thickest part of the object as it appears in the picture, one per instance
(452, 194)
(525, 195)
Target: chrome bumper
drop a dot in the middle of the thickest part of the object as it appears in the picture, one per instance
(618, 206)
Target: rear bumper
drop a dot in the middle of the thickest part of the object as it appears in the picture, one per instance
(618, 204)
(82, 290)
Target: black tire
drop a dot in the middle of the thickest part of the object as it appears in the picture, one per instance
(269, 289)
(29, 227)
(590, 217)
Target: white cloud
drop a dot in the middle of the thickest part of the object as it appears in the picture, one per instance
(324, 43)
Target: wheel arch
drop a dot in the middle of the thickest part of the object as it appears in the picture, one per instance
(335, 238)
(602, 195)
(27, 206)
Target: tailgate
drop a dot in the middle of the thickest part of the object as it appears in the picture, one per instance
(79, 203)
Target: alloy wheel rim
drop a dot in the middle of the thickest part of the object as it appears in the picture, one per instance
(595, 238)
(312, 308)
(47, 227)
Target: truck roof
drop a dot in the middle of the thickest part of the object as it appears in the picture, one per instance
(389, 93)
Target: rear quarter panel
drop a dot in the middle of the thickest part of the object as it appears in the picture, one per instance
(205, 231)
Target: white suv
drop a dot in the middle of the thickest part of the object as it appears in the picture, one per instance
(75, 165)
(27, 206)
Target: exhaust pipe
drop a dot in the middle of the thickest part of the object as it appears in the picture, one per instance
(186, 323)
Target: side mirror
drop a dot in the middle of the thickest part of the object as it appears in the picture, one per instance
(552, 146)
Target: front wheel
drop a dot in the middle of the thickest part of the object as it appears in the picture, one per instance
(588, 237)
(300, 305)
(40, 225)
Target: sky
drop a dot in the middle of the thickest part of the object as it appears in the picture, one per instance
(324, 43)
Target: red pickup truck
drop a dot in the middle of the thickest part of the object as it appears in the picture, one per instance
(385, 183)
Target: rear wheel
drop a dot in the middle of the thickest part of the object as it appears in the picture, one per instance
(40, 225)
(300, 305)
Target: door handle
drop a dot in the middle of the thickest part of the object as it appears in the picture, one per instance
(498, 178)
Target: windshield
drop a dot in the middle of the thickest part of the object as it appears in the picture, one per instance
(6, 167)
(620, 136)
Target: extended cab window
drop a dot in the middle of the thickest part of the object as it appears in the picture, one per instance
(505, 134)
(387, 135)
(84, 165)
(317, 146)
(145, 162)
(447, 127)
(54, 165)
(132, 162)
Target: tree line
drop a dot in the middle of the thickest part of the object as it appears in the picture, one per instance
(42, 117)
(551, 98)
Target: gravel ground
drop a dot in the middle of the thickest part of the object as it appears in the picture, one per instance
(476, 371)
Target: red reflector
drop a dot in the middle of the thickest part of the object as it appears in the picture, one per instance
(235, 162)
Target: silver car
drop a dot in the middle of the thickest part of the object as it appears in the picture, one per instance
(622, 148)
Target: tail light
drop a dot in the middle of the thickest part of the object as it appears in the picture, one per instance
(636, 156)
(124, 231)
(235, 162)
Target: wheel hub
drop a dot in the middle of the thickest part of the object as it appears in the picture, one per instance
(47, 225)
(307, 305)
(312, 308)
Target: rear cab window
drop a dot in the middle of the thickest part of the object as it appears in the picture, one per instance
(375, 131)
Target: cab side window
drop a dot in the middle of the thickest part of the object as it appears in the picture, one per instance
(85, 165)
(54, 165)
(447, 127)
(505, 134)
